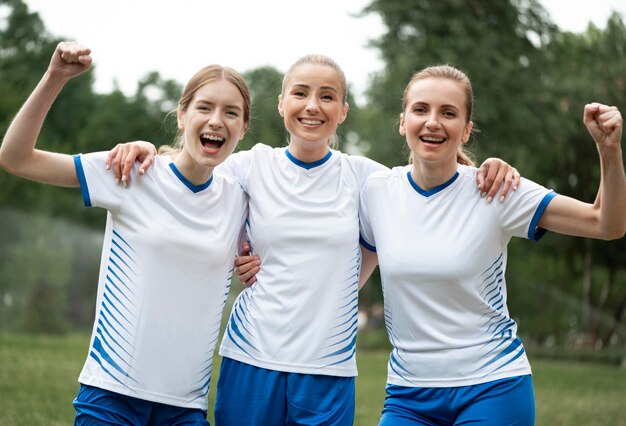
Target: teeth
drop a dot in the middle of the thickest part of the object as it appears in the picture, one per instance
(432, 139)
(311, 122)
(212, 138)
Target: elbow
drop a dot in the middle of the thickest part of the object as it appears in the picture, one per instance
(614, 233)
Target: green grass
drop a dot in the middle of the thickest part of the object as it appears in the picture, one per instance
(38, 383)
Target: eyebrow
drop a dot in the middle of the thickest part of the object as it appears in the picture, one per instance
(306, 86)
(232, 106)
(443, 106)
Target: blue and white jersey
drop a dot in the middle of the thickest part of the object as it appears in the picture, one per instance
(166, 268)
(442, 256)
(301, 314)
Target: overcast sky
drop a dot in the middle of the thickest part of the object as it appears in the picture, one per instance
(130, 38)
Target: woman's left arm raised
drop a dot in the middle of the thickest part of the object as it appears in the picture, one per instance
(606, 217)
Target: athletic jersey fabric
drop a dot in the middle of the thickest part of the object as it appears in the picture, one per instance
(442, 256)
(301, 314)
(166, 268)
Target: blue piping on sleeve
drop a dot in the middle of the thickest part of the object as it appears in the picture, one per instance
(535, 233)
(80, 173)
(366, 245)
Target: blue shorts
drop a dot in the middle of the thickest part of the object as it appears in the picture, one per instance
(95, 406)
(508, 402)
(249, 396)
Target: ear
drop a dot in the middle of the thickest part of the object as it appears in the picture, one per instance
(180, 115)
(281, 111)
(467, 132)
(246, 126)
(344, 112)
(402, 127)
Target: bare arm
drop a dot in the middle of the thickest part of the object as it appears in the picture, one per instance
(17, 153)
(606, 217)
(369, 260)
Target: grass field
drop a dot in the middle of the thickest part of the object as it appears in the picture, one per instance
(38, 382)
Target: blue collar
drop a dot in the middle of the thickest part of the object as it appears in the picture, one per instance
(433, 190)
(183, 179)
(307, 166)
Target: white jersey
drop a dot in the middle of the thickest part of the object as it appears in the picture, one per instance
(442, 256)
(301, 314)
(166, 268)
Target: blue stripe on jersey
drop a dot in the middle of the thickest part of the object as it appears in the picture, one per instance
(94, 356)
(117, 316)
(80, 174)
(497, 324)
(307, 166)
(97, 346)
(534, 233)
(111, 348)
(434, 189)
(205, 373)
(194, 188)
(343, 338)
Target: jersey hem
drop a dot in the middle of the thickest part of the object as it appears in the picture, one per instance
(453, 383)
(290, 368)
(200, 402)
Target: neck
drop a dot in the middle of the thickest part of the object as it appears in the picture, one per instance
(193, 172)
(429, 175)
(308, 152)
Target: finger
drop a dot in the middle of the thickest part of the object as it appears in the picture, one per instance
(248, 276)
(145, 165)
(249, 283)
(117, 161)
(480, 177)
(127, 165)
(517, 178)
(111, 156)
(489, 182)
(508, 182)
(492, 191)
(245, 249)
(244, 263)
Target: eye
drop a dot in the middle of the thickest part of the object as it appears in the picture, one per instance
(299, 94)
(449, 114)
(232, 113)
(419, 110)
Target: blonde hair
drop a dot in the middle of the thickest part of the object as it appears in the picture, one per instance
(206, 75)
(450, 73)
(315, 59)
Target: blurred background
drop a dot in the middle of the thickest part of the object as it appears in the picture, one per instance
(531, 80)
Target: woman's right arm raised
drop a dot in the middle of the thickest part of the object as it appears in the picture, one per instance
(18, 155)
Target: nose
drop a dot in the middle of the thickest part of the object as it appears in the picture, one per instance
(432, 122)
(215, 120)
(312, 105)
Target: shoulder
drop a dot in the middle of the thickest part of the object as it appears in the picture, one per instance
(387, 176)
(360, 165)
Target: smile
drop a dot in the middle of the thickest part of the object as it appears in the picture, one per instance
(310, 122)
(432, 139)
(211, 141)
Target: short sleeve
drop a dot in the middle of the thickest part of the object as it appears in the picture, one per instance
(363, 167)
(366, 237)
(238, 166)
(523, 209)
(97, 184)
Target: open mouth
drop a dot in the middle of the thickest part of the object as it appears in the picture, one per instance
(310, 122)
(211, 141)
(433, 139)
